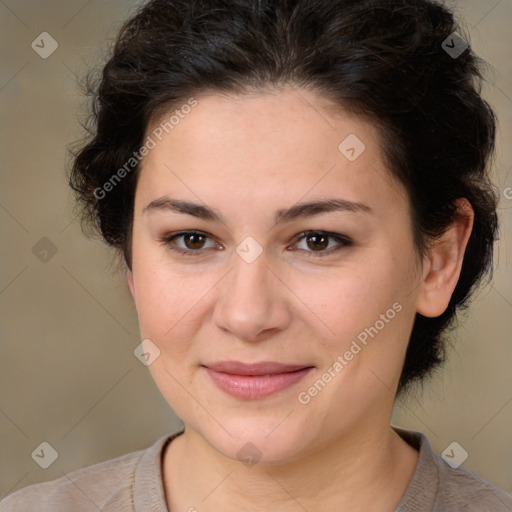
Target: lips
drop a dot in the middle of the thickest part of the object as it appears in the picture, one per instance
(257, 380)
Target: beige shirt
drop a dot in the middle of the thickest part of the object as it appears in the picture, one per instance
(133, 482)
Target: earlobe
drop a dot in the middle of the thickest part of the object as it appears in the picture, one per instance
(443, 263)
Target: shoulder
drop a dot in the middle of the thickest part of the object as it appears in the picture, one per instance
(464, 491)
(83, 489)
(436, 486)
(87, 489)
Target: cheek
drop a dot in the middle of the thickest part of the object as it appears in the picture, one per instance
(363, 312)
(348, 299)
(163, 296)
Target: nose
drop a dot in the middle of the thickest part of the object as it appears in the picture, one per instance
(252, 303)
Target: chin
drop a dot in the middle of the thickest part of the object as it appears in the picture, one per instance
(260, 440)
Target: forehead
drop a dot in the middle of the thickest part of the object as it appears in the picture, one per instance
(277, 145)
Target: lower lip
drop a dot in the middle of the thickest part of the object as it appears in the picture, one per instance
(249, 387)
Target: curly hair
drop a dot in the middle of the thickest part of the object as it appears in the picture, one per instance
(384, 60)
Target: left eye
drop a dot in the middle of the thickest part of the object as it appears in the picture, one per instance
(317, 243)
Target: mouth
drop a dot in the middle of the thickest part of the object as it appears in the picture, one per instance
(255, 381)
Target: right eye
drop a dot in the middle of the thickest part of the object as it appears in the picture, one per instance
(190, 243)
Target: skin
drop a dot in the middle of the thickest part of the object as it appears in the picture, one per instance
(247, 157)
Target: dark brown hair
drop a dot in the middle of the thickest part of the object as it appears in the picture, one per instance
(381, 59)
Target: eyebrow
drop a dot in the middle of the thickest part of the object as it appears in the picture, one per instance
(300, 210)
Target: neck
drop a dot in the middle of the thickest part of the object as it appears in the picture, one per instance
(367, 470)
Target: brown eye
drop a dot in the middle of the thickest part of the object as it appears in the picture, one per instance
(190, 243)
(322, 243)
(194, 240)
(315, 242)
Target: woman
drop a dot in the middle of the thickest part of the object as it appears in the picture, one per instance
(299, 192)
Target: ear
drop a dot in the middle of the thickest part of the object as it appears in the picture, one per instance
(443, 263)
(129, 279)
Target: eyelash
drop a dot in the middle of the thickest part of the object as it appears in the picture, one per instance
(342, 240)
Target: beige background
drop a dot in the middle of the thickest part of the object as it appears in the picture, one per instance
(68, 373)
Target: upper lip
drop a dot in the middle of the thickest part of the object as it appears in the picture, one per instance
(264, 368)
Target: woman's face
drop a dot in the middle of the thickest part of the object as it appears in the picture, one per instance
(253, 288)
